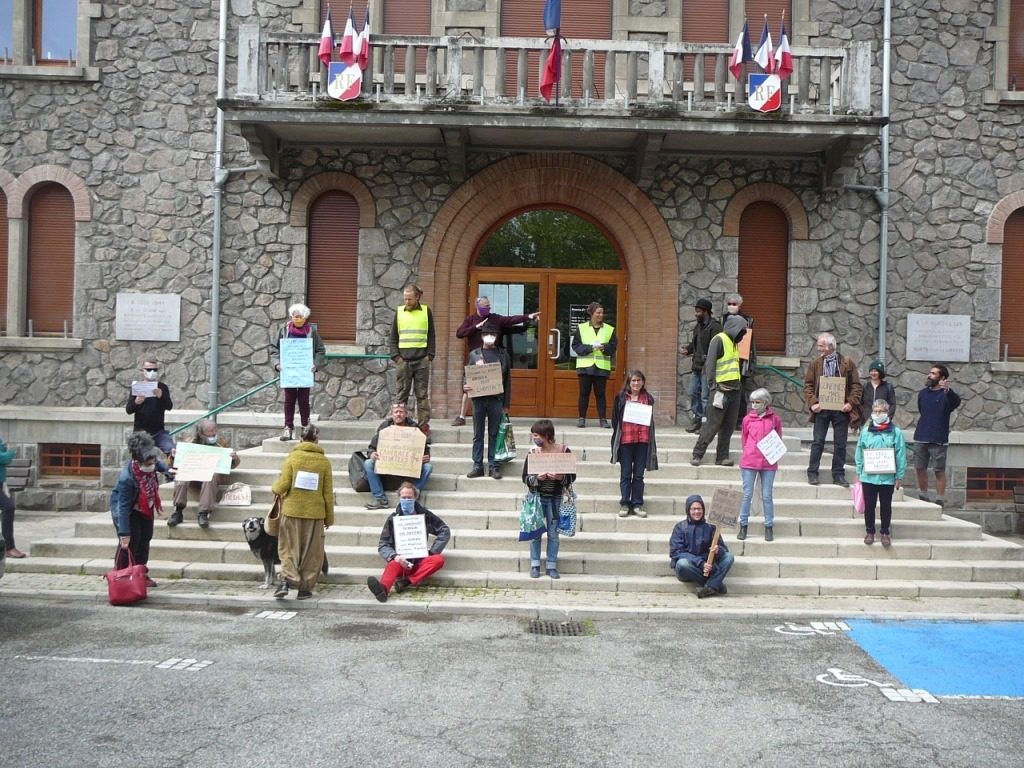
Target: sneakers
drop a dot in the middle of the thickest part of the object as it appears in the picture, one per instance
(742, 534)
(402, 584)
(604, 424)
(378, 503)
(869, 539)
(204, 519)
(812, 478)
(640, 512)
(694, 428)
(304, 594)
(581, 422)
(476, 472)
(553, 573)
(494, 473)
(458, 421)
(769, 535)
(703, 592)
(840, 480)
(886, 540)
(534, 571)
(695, 461)
(286, 435)
(941, 502)
(724, 463)
(623, 511)
(282, 590)
(377, 588)
(722, 590)
(176, 517)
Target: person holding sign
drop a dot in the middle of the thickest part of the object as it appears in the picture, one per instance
(206, 434)
(594, 344)
(488, 407)
(760, 458)
(549, 486)
(881, 461)
(833, 392)
(399, 418)
(306, 486)
(722, 373)
(695, 556)
(148, 401)
(633, 443)
(403, 545)
(299, 327)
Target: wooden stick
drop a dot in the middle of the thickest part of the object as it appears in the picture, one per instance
(714, 543)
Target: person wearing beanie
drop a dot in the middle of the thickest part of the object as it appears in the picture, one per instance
(690, 547)
(697, 350)
(877, 388)
(722, 379)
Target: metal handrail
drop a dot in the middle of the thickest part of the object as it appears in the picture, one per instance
(783, 374)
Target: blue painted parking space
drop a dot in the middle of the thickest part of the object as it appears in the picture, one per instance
(948, 658)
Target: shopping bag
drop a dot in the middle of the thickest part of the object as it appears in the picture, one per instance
(126, 585)
(567, 513)
(272, 523)
(531, 518)
(505, 442)
(857, 492)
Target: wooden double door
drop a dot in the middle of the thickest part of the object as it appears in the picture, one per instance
(544, 383)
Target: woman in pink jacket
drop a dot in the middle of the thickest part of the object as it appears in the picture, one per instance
(759, 422)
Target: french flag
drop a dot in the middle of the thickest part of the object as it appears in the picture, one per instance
(763, 56)
(363, 54)
(741, 52)
(783, 57)
(348, 41)
(326, 41)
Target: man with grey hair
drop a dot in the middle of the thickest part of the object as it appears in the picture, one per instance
(830, 364)
(206, 434)
(733, 306)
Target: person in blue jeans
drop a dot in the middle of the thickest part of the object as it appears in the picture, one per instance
(550, 487)
(697, 350)
(690, 547)
(399, 418)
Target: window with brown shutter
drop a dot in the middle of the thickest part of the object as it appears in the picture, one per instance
(3, 263)
(1010, 317)
(407, 17)
(764, 273)
(755, 11)
(333, 270)
(1015, 73)
(51, 260)
(704, 22)
(581, 19)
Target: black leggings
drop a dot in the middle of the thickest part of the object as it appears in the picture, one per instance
(598, 384)
(877, 493)
(141, 535)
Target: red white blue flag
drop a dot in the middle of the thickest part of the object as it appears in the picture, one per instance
(363, 56)
(783, 57)
(346, 53)
(552, 74)
(763, 56)
(326, 41)
(741, 52)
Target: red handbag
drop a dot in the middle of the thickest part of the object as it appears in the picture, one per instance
(126, 585)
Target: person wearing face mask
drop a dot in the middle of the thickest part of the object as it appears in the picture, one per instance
(722, 377)
(472, 331)
(594, 344)
(748, 363)
(489, 408)
(550, 487)
(299, 327)
(759, 422)
(401, 571)
(690, 547)
(935, 403)
(148, 410)
(205, 434)
(881, 461)
(135, 501)
(877, 388)
(633, 445)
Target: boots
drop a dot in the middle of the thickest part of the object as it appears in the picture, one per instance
(176, 516)
(742, 534)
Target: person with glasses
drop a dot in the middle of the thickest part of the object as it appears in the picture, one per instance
(148, 401)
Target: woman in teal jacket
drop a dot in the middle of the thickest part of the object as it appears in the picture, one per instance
(7, 504)
(881, 462)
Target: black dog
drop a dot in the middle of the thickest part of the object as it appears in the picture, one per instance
(264, 547)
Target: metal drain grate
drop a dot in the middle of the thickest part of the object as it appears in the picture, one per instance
(560, 628)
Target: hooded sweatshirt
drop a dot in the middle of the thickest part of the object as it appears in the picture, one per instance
(734, 327)
(691, 539)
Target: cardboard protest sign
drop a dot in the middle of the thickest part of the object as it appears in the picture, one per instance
(484, 379)
(772, 447)
(831, 393)
(637, 413)
(296, 363)
(551, 463)
(725, 508)
(236, 495)
(744, 346)
(879, 461)
(195, 466)
(410, 535)
(401, 451)
(145, 388)
(183, 451)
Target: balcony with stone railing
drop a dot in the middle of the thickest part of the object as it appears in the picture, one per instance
(636, 97)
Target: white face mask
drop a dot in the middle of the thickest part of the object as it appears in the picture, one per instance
(210, 440)
(879, 418)
(151, 375)
(490, 339)
(147, 467)
(733, 309)
(758, 406)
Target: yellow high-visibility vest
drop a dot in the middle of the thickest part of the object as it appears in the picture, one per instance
(591, 337)
(412, 327)
(727, 368)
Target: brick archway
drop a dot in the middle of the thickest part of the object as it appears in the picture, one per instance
(1001, 212)
(576, 182)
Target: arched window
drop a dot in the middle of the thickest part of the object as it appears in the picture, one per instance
(51, 260)
(1011, 319)
(3, 263)
(333, 269)
(763, 273)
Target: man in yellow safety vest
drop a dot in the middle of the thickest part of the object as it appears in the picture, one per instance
(413, 349)
(722, 372)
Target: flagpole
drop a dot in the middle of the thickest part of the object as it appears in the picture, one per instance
(558, 83)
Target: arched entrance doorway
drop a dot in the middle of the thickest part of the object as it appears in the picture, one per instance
(557, 262)
(571, 182)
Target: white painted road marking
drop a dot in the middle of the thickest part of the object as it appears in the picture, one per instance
(278, 615)
(177, 664)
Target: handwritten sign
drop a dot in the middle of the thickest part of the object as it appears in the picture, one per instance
(307, 481)
(401, 451)
(296, 363)
(772, 447)
(236, 495)
(145, 388)
(195, 467)
(538, 463)
(879, 461)
(939, 337)
(744, 346)
(638, 413)
(725, 508)
(410, 535)
(831, 393)
(148, 317)
(484, 379)
(223, 455)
